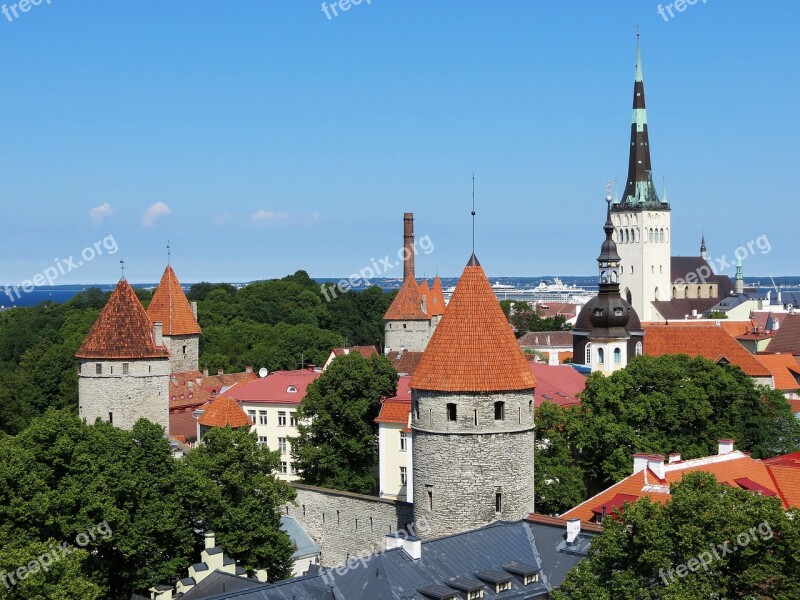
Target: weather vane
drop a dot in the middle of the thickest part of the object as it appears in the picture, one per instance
(122, 268)
(473, 213)
(169, 253)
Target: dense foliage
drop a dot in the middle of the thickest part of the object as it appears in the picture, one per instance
(709, 541)
(525, 319)
(337, 444)
(656, 405)
(61, 478)
(275, 324)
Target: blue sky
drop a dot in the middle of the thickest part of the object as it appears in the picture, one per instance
(271, 138)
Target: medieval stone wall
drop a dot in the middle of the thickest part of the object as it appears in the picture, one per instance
(409, 335)
(184, 352)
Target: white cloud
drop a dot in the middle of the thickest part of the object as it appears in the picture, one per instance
(222, 218)
(269, 216)
(159, 209)
(98, 213)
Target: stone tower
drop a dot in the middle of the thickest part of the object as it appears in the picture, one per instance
(123, 372)
(407, 323)
(181, 331)
(472, 416)
(641, 220)
(607, 333)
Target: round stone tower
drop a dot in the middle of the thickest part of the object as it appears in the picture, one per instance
(123, 372)
(472, 416)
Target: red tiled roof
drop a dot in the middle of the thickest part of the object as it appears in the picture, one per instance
(785, 471)
(191, 388)
(784, 368)
(170, 306)
(559, 384)
(555, 309)
(365, 351)
(407, 305)
(473, 348)
(397, 409)
(728, 468)
(275, 388)
(122, 330)
(787, 338)
(184, 425)
(546, 339)
(734, 328)
(405, 361)
(614, 503)
(224, 412)
(438, 297)
(709, 341)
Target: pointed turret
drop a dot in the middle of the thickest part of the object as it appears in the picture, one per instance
(703, 249)
(170, 307)
(739, 276)
(473, 348)
(639, 188)
(438, 297)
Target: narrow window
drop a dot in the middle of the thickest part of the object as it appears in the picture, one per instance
(617, 356)
(499, 411)
(430, 499)
(475, 416)
(403, 476)
(370, 524)
(111, 418)
(111, 369)
(293, 419)
(498, 502)
(125, 368)
(262, 417)
(281, 418)
(520, 414)
(600, 356)
(588, 357)
(184, 350)
(638, 348)
(282, 445)
(252, 415)
(98, 369)
(403, 441)
(451, 412)
(338, 518)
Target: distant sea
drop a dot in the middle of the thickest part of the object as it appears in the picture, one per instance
(61, 294)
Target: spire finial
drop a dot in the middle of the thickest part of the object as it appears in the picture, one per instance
(473, 213)
(169, 253)
(122, 267)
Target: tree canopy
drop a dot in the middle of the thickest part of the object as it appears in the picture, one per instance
(337, 444)
(709, 541)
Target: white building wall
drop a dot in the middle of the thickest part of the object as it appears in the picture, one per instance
(392, 458)
(271, 431)
(645, 263)
(608, 365)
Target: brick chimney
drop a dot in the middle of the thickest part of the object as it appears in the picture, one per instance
(248, 369)
(158, 333)
(408, 245)
(220, 371)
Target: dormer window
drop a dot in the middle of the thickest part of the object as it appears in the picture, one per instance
(291, 390)
(618, 312)
(504, 586)
(598, 312)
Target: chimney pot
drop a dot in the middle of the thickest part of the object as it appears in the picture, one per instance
(640, 462)
(194, 310)
(573, 530)
(248, 369)
(408, 245)
(220, 371)
(158, 333)
(725, 446)
(205, 372)
(210, 539)
(674, 457)
(656, 464)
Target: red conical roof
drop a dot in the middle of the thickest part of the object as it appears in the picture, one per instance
(170, 306)
(224, 411)
(122, 330)
(473, 348)
(407, 305)
(438, 297)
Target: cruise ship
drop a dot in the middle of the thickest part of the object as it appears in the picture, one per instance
(557, 291)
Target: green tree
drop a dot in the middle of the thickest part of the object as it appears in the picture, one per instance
(337, 444)
(559, 479)
(243, 505)
(709, 541)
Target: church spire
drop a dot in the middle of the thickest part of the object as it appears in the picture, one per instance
(703, 249)
(639, 188)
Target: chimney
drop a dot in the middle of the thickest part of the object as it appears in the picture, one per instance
(199, 381)
(392, 541)
(158, 333)
(675, 457)
(725, 447)
(573, 530)
(194, 310)
(161, 592)
(205, 372)
(248, 369)
(210, 540)
(311, 368)
(220, 371)
(408, 245)
(413, 547)
(553, 357)
(656, 464)
(640, 462)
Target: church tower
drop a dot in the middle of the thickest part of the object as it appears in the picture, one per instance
(123, 372)
(607, 332)
(181, 331)
(641, 220)
(407, 324)
(472, 416)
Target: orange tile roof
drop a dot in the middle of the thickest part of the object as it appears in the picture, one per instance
(784, 368)
(365, 351)
(785, 471)
(734, 328)
(709, 341)
(727, 468)
(473, 348)
(407, 305)
(405, 361)
(397, 409)
(170, 306)
(224, 412)
(122, 330)
(438, 297)
(191, 388)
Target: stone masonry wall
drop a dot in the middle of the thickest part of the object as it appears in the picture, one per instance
(180, 362)
(345, 524)
(461, 466)
(142, 392)
(410, 335)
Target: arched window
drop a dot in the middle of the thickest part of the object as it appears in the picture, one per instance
(617, 356)
(631, 269)
(662, 234)
(638, 235)
(626, 236)
(601, 358)
(686, 292)
(711, 291)
(674, 292)
(638, 348)
(657, 295)
(666, 233)
(649, 235)
(499, 411)
(588, 357)
(629, 297)
(653, 269)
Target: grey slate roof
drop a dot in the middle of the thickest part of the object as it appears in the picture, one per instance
(303, 543)
(394, 575)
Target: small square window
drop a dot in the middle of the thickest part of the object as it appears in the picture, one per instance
(292, 419)
(262, 439)
(452, 412)
(125, 368)
(252, 415)
(98, 369)
(284, 467)
(262, 417)
(281, 418)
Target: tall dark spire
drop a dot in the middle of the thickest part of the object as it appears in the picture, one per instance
(639, 188)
